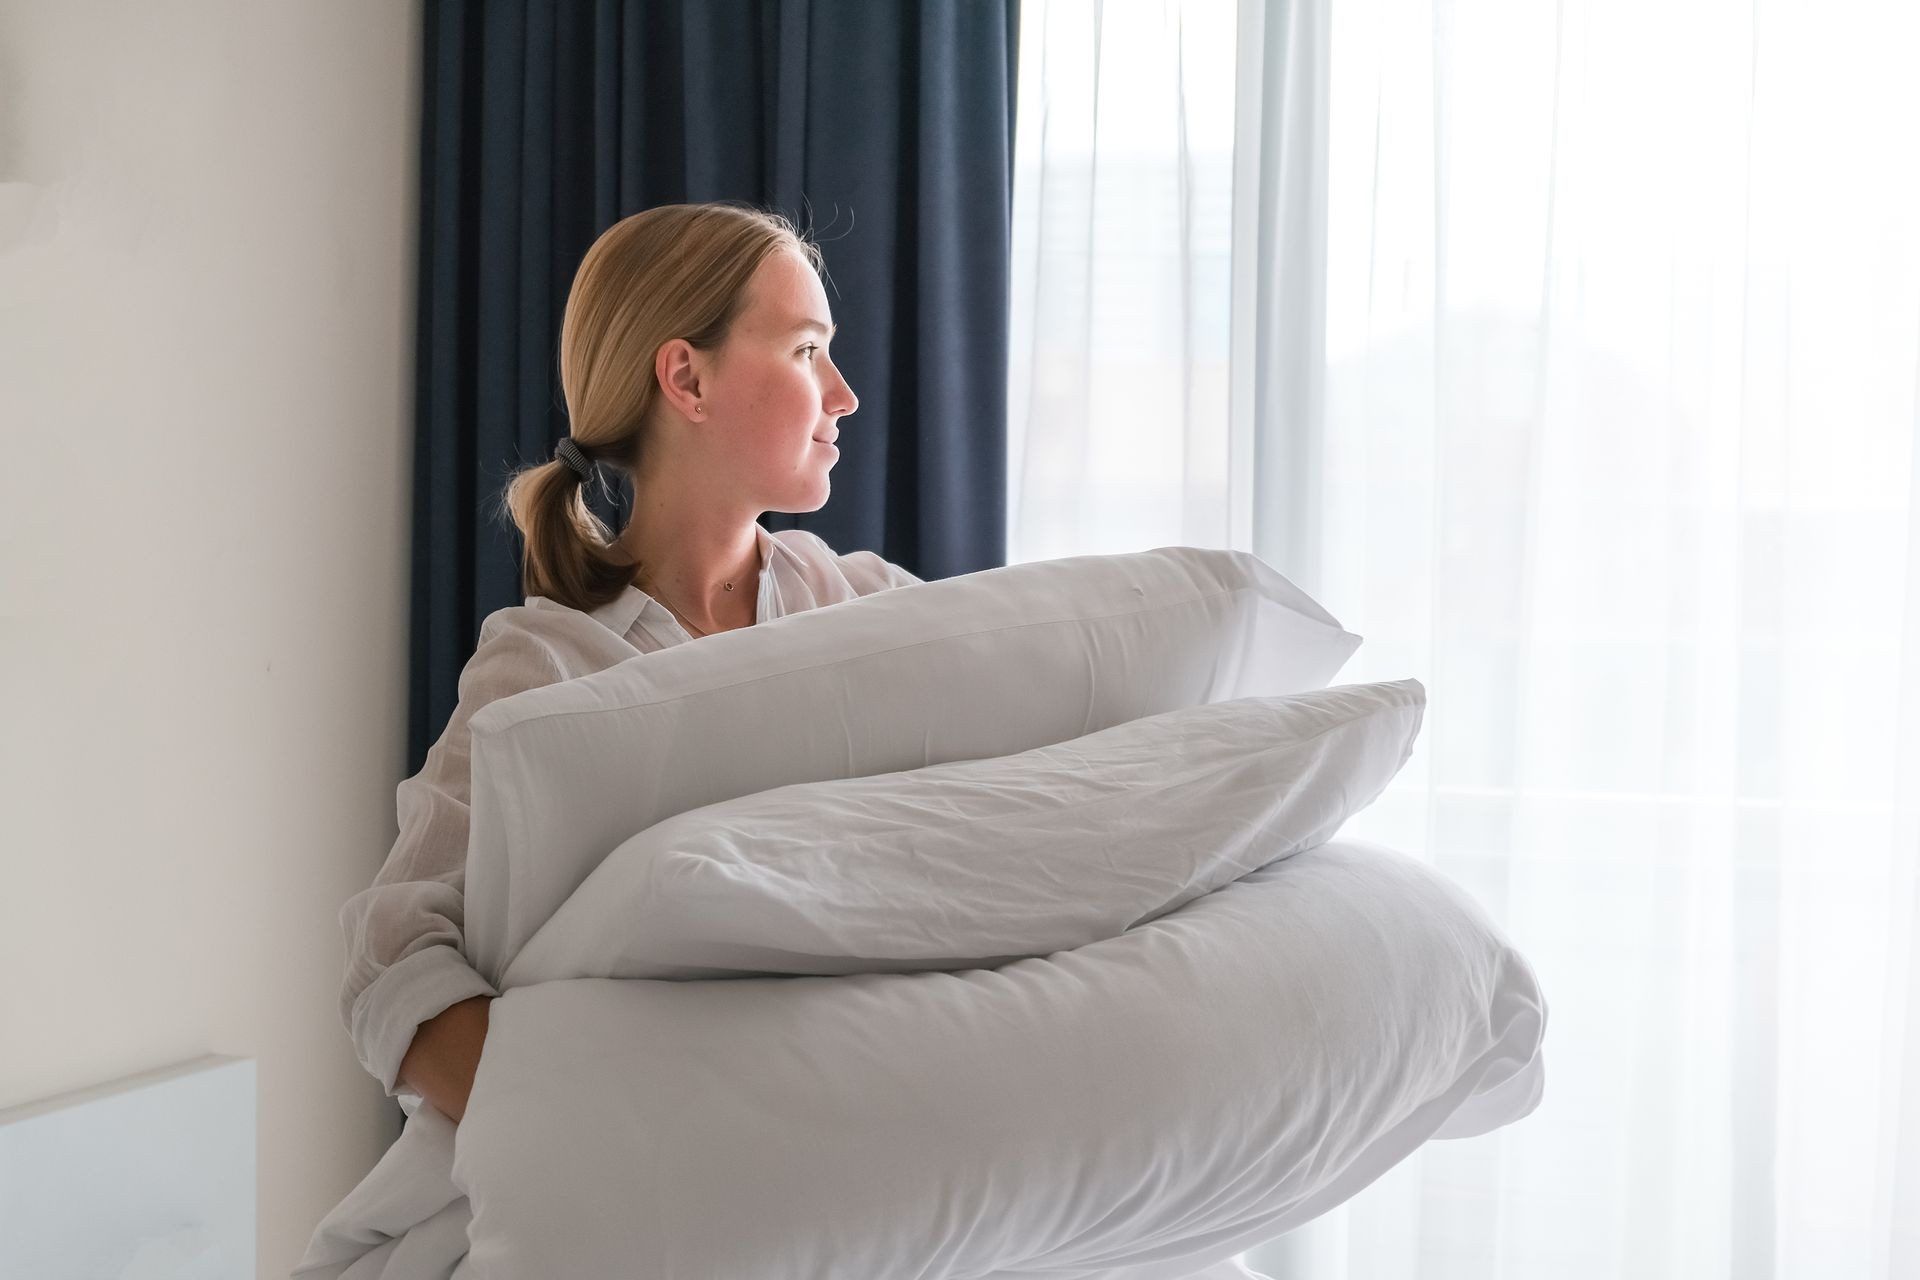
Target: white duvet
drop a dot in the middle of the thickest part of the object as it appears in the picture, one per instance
(1142, 1105)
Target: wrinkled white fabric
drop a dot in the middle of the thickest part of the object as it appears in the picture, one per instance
(1138, 1108)
(980, 862)
(404, 933)
(978, 665)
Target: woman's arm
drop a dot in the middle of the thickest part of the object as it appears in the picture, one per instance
(445, 1053)
(405, 933)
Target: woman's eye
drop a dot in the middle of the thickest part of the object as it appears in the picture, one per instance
(810, 348)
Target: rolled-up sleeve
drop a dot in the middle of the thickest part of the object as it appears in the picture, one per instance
(404, 957)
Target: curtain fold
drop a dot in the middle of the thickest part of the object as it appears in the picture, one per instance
(886, 131)
(1122, 243)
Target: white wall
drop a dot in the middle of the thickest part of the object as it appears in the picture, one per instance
(207, 229)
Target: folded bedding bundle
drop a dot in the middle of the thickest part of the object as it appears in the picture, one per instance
(994, 927)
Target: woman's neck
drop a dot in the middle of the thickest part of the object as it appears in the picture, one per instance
(688, 570)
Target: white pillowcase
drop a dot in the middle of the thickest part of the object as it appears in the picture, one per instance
(1134, 1108)
(965, 668)
(979, 862)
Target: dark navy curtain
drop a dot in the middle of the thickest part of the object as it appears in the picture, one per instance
(883, 127)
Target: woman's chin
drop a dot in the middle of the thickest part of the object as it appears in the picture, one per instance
(812, 498)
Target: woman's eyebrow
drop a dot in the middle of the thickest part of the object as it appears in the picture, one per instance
(816, 327)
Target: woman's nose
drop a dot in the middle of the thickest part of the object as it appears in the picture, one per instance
(844, 400)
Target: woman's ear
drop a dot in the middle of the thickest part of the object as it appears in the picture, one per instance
(680, 370)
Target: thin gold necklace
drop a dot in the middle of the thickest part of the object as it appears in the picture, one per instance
(676, 613)
(682, 621)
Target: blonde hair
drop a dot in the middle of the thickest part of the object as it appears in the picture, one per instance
(674, 271)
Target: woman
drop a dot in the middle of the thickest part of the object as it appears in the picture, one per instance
(734, 414)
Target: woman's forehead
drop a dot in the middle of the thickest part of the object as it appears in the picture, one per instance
(786, 288)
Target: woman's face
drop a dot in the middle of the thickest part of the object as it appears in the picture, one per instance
(773, 394)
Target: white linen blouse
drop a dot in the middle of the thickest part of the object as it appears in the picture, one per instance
(404, 933)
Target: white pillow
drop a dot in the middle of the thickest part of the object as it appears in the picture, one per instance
(964, 668)
(979, 862)
(1137, 1107)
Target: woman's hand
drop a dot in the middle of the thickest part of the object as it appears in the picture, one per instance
(440, 1063)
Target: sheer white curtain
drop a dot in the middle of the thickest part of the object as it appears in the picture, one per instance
(1123, 157)
(1597, 415)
